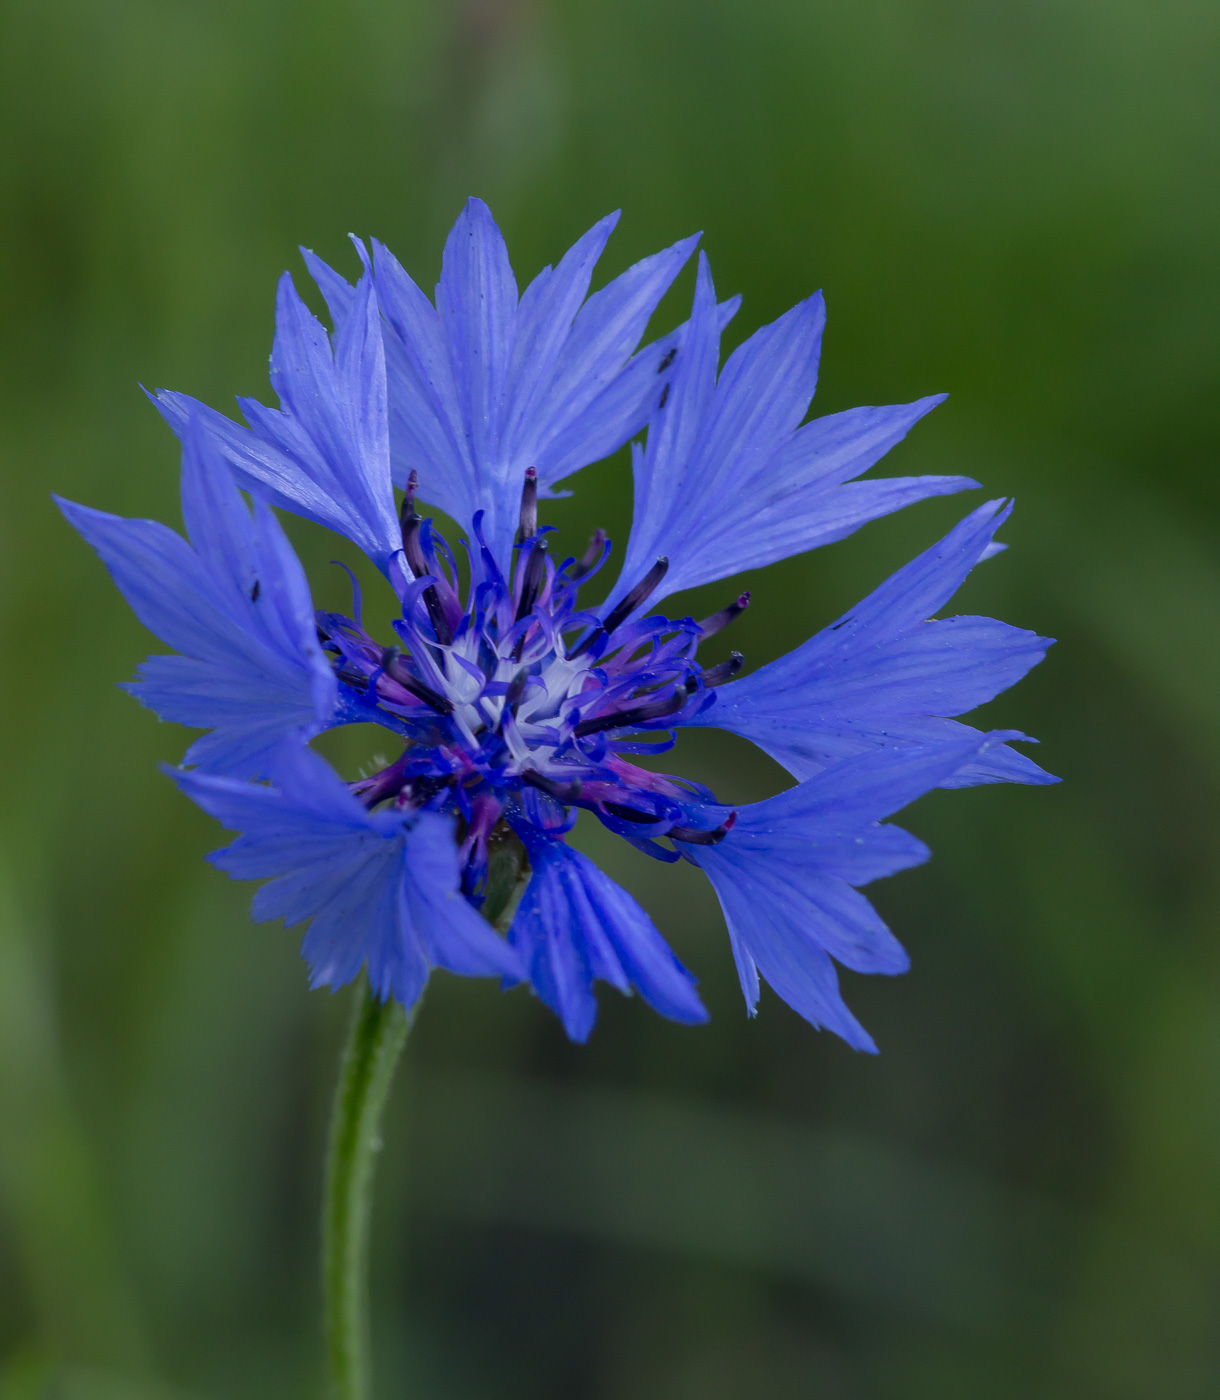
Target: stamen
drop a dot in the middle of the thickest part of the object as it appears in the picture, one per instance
(395, 667)
(528, 526)
(387, 783)
(725, 671)
(531, 586)
(426, 788)
(638, 595)
(411, 521)
(623, 719)
(649, 680)
(408, 497)
(631, 814)
(720, 620)
(531, 583)
(512, 696)
(561, 793)
(702, 838)
(516, 688)
(350, 676)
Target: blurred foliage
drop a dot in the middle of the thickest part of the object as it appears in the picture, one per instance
(1021, 1196)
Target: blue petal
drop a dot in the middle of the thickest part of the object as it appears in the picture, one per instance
(427, 432)
(785, 877)
(597, 389)
(325, 453)
(476, 304)
(882, 675)
(482, 387)
(729, 479)
(235, 603)
(624, 406)
(543, 364)
(574, 925)
(379, 889)
(337, 291)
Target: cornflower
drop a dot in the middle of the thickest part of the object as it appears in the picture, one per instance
(516, 704)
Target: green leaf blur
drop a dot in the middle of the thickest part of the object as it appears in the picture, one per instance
(1013, 200)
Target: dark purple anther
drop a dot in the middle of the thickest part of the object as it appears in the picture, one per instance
(516, 688)
(512, 697)
(393, 664)
(623, 719)
(561, 792)
(703, 838)
(388, 783)
(528, 526)
(531, 586)
(720, 620)
(638, 595)
(630, 814)
(411, 521)
(532, 581)
(349, 675)
(725, 671)
(619, 614)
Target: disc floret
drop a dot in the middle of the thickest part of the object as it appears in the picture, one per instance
(515, 703)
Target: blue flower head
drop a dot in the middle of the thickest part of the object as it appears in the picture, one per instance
(514, 703)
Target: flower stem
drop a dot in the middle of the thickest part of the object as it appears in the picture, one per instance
(374, 1042)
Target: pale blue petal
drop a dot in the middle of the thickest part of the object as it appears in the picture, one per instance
(260, 468)
(476, 302)
(162, 578)
(235, 603)
(337, 291)
(427, 430)
(819, 516)
(729, 479)
(859, 790)
(842, 446)
(583, 395)
(781, 926)
(663, 486)
(250, 716)
(622, 409)
(884, 675)
(543, 335)
(325, 453)
(482, 387)
(380, 889)
(574, 925)
(785, 875)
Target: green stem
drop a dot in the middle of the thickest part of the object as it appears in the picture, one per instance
(374, 1042)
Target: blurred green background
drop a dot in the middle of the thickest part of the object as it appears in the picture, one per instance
(1014, 200)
